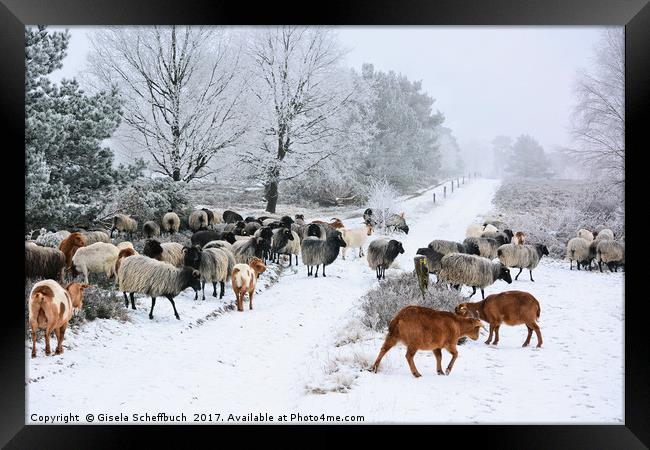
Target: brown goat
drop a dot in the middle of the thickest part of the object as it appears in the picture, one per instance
(335, 223)
(51, 307)
(421, 328)
(244, 278)
(511, 308)
(70, 245)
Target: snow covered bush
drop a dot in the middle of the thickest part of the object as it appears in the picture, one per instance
(151, 199)
(101, 304)
(381, 304)
(552, 211)
(382, 199)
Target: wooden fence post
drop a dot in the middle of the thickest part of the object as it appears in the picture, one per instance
(434, 197)
(445, 191)
(452, 186)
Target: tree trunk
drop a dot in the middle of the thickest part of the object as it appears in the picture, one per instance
(271, 196)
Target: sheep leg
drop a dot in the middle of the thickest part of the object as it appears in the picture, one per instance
(388, 344)
(377, 273)
(571, 263)
(126, 300)
(530, 333)
(343, 249)
(489, 339)
(438, 354)
(531, 274)
(520, 269)
(316, 276)
(132, 300)
(296, 259)
(153, 303)
(34, 325)
(326, 275)
(454, 354)
(171, 299)
(223, 289)
(410, 353)
(250, 299)
(214, 288)
(600, 266)
(202, 290)
(482, 294)
(473, 291)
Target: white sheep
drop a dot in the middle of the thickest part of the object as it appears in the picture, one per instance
(474, 230)
(604, 234)
(577, 249)
(95, 258)
(585, 234)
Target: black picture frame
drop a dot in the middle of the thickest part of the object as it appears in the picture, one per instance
(633, 14)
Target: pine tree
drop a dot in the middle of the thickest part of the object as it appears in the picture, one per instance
(69, 172)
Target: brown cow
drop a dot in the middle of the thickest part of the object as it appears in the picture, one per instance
(511, 308)
(421, 328)
(51, 307)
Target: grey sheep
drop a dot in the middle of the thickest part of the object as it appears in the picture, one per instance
(212, 264)
(604, 234)
(433, 258)
(140, 274)
(397, 222)
(150, 229)
(611, 253)
(381, 254)
(578, 250)
(246, 249)
(96, 236)
(285, 242)
(502, 237)
(168, 252)
(471, 270)
(44, 262)
(445, 247)
(487, 247)
(171, 223)
(198, 220)
(218, 244)
(525, 256)
(124, 224)
(316, 252)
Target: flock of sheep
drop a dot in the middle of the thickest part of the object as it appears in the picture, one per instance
(473, 263)
(230, 248)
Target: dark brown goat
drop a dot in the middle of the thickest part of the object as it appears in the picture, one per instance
(421, 328)
(70, 245)
(511, 308)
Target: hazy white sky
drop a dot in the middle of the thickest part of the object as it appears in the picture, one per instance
(486, 80)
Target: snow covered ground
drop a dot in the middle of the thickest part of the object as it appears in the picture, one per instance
(303, 350)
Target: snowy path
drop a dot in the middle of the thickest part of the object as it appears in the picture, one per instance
(262, 360)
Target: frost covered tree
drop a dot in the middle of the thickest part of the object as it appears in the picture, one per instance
(382, 199)
(68, 171)
(451, 161)
(527, 159)
(501, 150)
(404, 148)
(302, 99)
(599, 115)
(181, 87)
